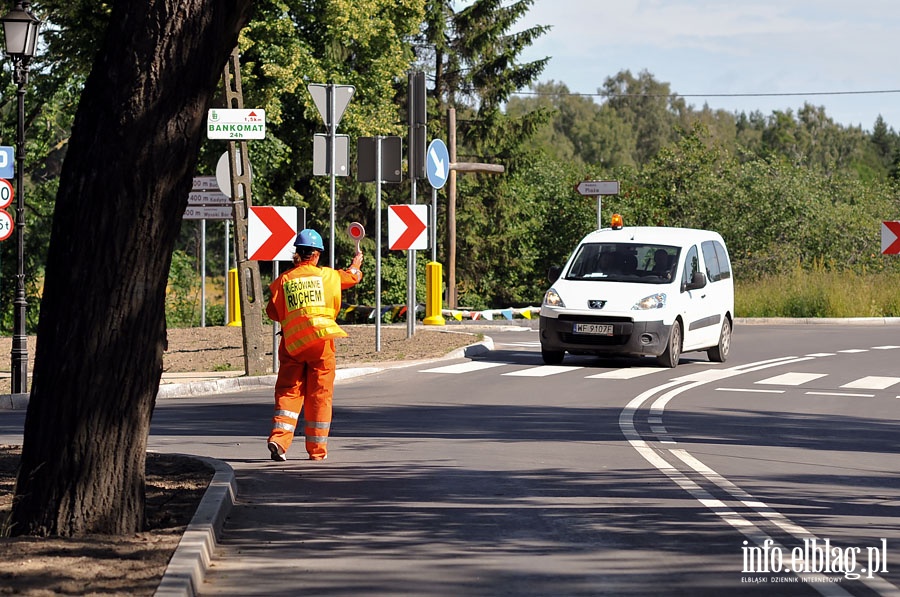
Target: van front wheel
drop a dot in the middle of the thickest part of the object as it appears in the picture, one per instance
(673, 349)
(552, 357)
(719, 352)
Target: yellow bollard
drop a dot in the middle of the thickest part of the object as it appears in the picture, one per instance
(433, 287)
(234, 298)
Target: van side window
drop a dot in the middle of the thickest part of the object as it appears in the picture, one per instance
(713, 271)
(691, 265)
(724, 263)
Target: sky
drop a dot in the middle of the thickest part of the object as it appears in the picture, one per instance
(821, 52)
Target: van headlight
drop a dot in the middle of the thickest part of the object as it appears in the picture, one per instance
(654, 301)
(552, 299)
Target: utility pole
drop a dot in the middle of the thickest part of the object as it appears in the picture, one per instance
(451, 201)
(249, 284)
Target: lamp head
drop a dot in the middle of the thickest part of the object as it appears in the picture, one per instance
(20, 29)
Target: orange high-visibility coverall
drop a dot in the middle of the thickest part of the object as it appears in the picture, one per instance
(306, 301)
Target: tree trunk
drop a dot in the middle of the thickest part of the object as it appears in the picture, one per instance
(123, 190)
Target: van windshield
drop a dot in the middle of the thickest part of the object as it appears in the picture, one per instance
(624, 262)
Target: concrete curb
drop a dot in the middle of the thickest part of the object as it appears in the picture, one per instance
(186, 570)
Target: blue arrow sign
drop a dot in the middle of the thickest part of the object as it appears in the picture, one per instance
(437, 164)
(7, 155)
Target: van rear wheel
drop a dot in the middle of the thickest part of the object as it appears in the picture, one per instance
(552, 357)
(672, 354)
(719, 352)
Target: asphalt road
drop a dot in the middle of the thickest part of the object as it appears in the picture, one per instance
(500, 476)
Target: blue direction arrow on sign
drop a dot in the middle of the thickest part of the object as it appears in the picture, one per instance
(7, 154)
(437, 164)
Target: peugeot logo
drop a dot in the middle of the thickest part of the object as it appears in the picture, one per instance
(596, 304)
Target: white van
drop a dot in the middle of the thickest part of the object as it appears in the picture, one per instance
(641, 291)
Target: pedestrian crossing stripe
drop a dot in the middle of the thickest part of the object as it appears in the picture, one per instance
(791, 379)
(630, 373)
(872, 382)
(466, 367)
(542, 371)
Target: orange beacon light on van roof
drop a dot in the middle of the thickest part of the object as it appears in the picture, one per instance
(616, 222)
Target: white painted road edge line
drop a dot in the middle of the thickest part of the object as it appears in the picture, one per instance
(747, 528)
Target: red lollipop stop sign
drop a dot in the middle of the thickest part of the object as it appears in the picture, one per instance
(356, 232)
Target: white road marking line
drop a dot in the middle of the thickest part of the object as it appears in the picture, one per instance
(541, 371)
(756, 390)
(519, 344)
(872, 382)
(747, 528)
(629, 373)
(821, 354)
(791, 379)
(845, 394)
(467, 367)
(854, 350)
(889, 347)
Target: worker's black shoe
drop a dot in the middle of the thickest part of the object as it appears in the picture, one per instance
(277, 453)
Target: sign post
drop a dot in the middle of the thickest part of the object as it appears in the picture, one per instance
(598, 188)
(331, 101)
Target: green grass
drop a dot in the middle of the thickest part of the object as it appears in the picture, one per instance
(819, 293)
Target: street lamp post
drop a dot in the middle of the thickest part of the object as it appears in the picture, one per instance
(20, 29)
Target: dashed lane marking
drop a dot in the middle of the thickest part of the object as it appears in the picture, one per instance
(842, 394)
(756, 390)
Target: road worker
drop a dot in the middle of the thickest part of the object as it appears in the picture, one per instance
(305, 301)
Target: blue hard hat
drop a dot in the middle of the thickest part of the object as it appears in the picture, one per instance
(309, 238)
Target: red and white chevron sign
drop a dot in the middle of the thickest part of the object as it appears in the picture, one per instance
(890, 238)
(271, 232)
(407, 227)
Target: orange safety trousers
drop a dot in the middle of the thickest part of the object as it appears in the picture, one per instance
(305, 383)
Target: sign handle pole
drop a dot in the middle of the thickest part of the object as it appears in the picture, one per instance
(599, 205)
(378, 243)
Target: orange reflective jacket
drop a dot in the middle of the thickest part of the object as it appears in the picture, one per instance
(306, 300)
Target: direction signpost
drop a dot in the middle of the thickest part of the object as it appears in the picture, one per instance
(597, 188)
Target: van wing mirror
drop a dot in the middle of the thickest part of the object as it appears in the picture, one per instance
(553, 273)
(698, 280)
